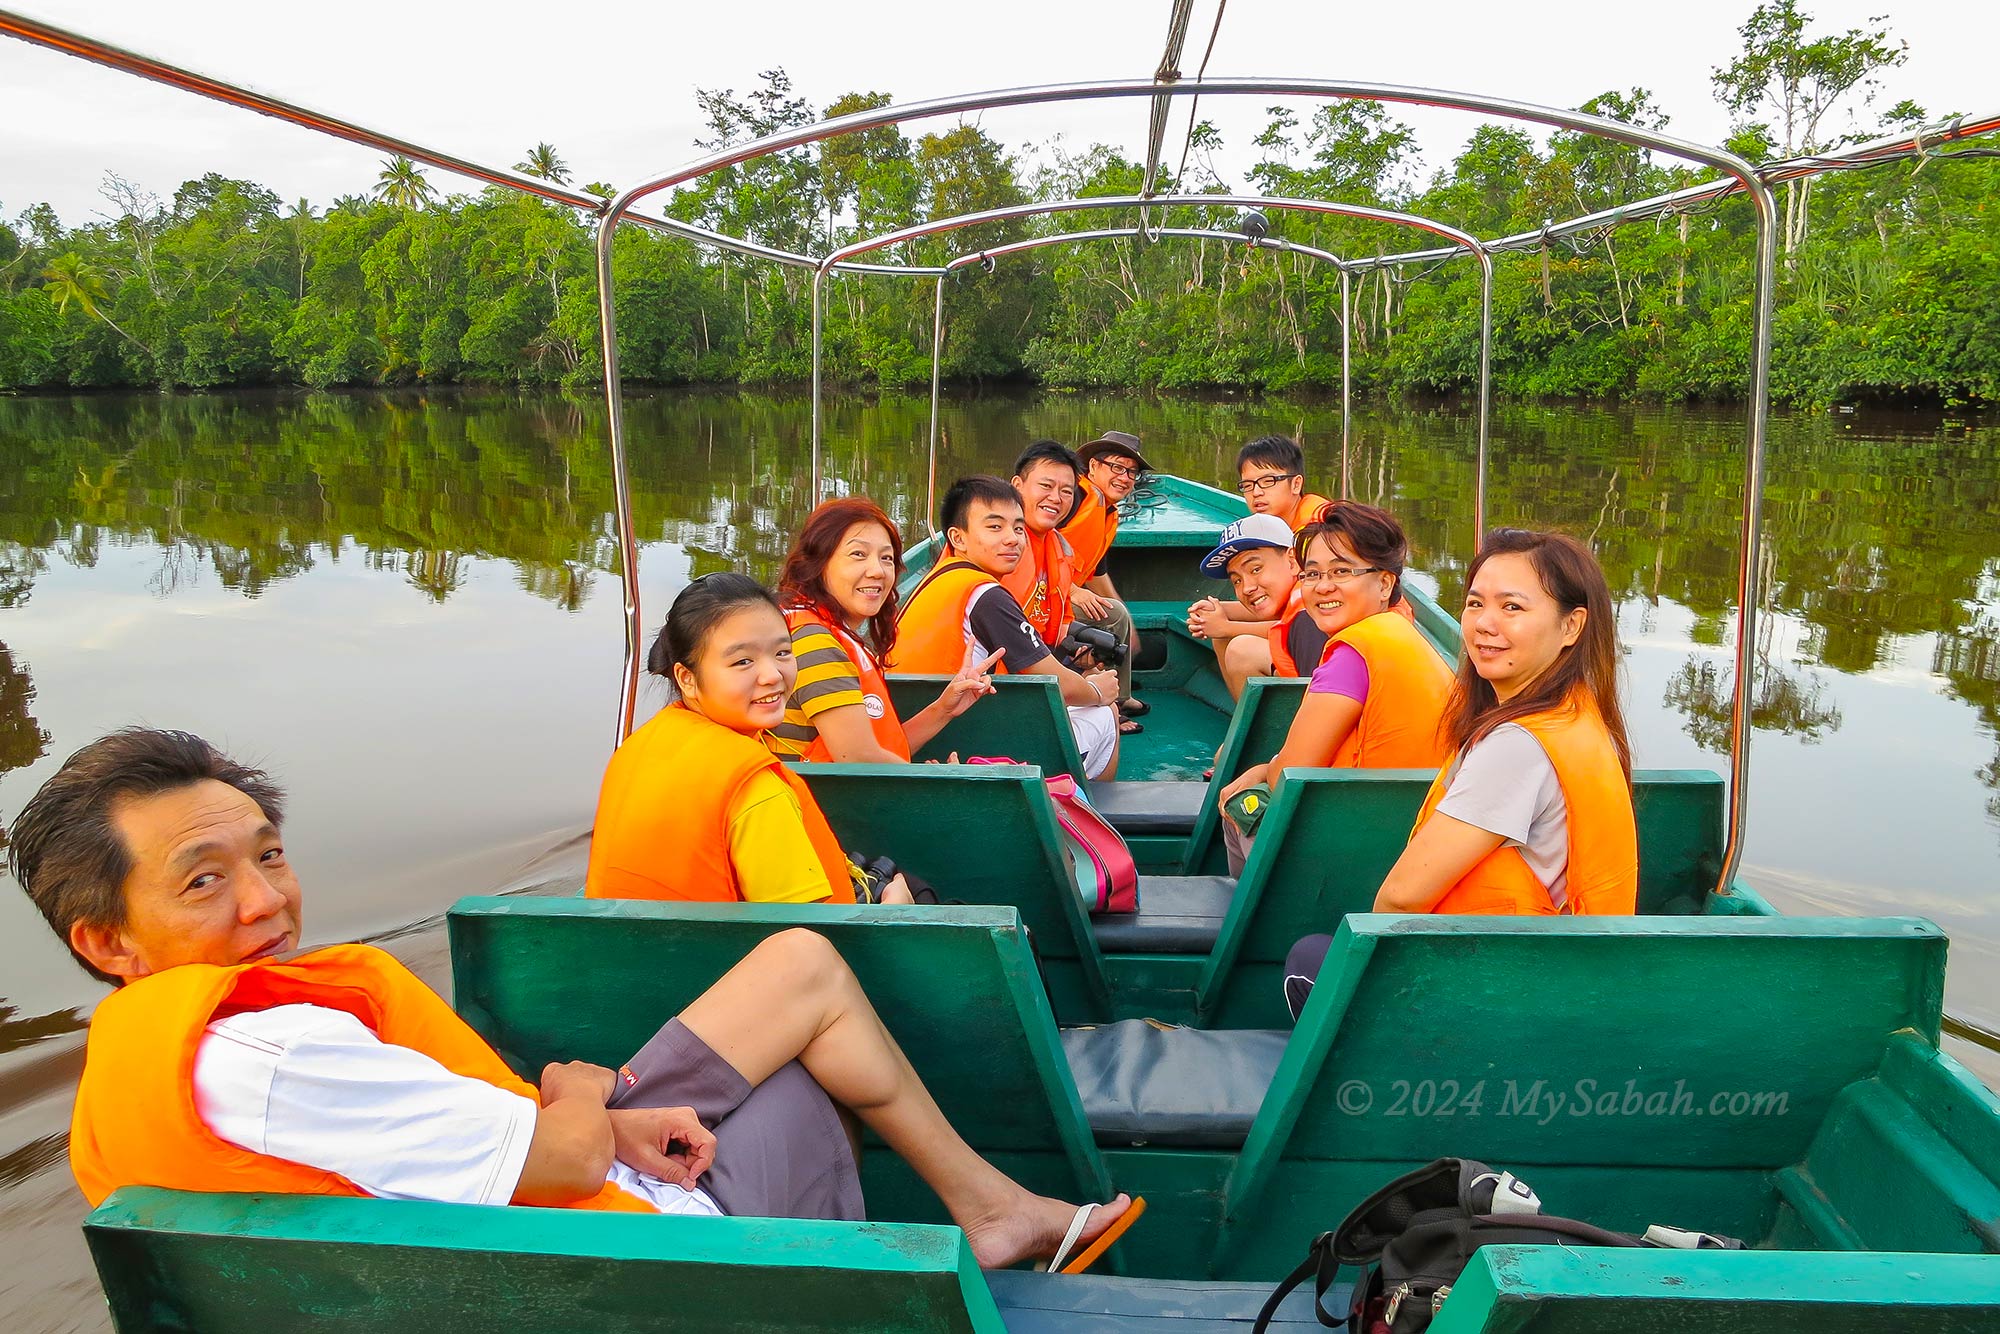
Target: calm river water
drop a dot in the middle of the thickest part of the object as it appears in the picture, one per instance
(408, 607)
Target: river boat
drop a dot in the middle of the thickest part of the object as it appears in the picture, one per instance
(1708, 1063)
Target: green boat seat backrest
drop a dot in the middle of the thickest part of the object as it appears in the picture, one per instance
(1721, 1044)
(1331, 836)
(1907, 1161)
(1583, 1290)
(980, 833)
(547, 979)
(1023, 719)
(255, 1264)
(1256, 730)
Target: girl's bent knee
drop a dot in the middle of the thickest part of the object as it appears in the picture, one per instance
(804, 957)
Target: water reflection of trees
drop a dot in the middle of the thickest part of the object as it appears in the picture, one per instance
(22, 739)
(1872, 537)
(1702, 689)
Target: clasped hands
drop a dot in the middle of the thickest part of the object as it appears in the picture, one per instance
(668, 1143)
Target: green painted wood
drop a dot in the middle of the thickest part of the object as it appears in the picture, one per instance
(1585, 1290)
(1880, 1175)
(1256, 731)
(1024, 719)
(547, 979)
(1438, 625)
(1722, 1043)
(248, 1264)
(981, 834)
(1332, 835)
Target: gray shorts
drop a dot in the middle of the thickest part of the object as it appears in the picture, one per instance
(781, 1149)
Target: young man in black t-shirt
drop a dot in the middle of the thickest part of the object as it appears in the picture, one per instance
(984, 523)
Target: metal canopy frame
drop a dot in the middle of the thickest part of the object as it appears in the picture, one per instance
(987, 256)
(1465, 243)
(1738, 177)
(1740, 170)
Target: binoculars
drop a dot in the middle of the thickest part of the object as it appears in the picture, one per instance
(1087, 641)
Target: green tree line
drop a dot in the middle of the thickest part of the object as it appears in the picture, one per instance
(1885, 288)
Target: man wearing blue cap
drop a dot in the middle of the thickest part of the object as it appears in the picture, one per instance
(1263, 630)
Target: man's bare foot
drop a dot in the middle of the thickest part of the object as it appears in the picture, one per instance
(1033, 1228)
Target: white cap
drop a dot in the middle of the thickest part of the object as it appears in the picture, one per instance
(1258, 530)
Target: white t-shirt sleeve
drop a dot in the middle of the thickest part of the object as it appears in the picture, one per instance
(313, 1085)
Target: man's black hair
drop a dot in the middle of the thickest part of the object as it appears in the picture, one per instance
(1052, 451)
(65, 850)
(1273, 451)
(956, 510)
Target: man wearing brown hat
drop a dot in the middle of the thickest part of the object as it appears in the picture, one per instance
(1112, 467)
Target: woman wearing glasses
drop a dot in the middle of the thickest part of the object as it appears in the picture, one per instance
(1534, 813)
(1271, 477)
(1378, 695)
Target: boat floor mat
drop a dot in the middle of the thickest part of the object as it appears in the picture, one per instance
(1034, 1303)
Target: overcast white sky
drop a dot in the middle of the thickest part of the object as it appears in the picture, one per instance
(612, 84)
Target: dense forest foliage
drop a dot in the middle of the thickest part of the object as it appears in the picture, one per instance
(1887, 281)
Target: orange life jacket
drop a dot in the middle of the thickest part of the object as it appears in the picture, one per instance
(1311, 507)
(1041, 583)
(1280, 635)
(931, 634)
(1603, 871)
(135, 1122)
(1282, 663)
(882, 719)
(1090, 530)
(663, 813)
(1407, 686)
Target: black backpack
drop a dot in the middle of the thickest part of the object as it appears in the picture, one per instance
(1417, 1233)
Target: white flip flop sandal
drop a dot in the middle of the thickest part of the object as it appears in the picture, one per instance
(1076, 1227)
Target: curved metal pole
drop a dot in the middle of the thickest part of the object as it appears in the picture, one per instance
(1753, 530)
(1771, 173)
(868, 245)
(1485, 393)
(1116, 233)
(621, 485)
(819, 319)
(1346, 382)
(201, 85)
(937, 369)
(877, 117)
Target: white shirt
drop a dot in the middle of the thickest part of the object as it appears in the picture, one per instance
(313, 1085)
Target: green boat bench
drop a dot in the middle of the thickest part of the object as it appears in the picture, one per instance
(1204, 949)
(1870, 1187)
(1773, 1078)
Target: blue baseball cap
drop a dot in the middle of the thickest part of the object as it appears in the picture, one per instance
(1258, 530)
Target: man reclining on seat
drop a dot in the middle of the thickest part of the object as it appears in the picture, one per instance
(226, 1062)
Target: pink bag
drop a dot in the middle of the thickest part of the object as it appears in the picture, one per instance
(1106, 876)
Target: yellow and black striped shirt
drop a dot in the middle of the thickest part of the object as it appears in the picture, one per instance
(828, 679)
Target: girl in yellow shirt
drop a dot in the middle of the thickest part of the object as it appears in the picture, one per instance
(694, 805)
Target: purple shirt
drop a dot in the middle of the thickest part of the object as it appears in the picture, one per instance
(1345, 672)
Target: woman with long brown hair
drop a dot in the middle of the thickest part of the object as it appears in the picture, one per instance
(838, 593)
(1533, 815)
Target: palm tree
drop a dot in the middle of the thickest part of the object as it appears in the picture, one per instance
(70, 277)
(401, 185)
(543, 162)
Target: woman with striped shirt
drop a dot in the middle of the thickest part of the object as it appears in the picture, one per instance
(838, 591)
